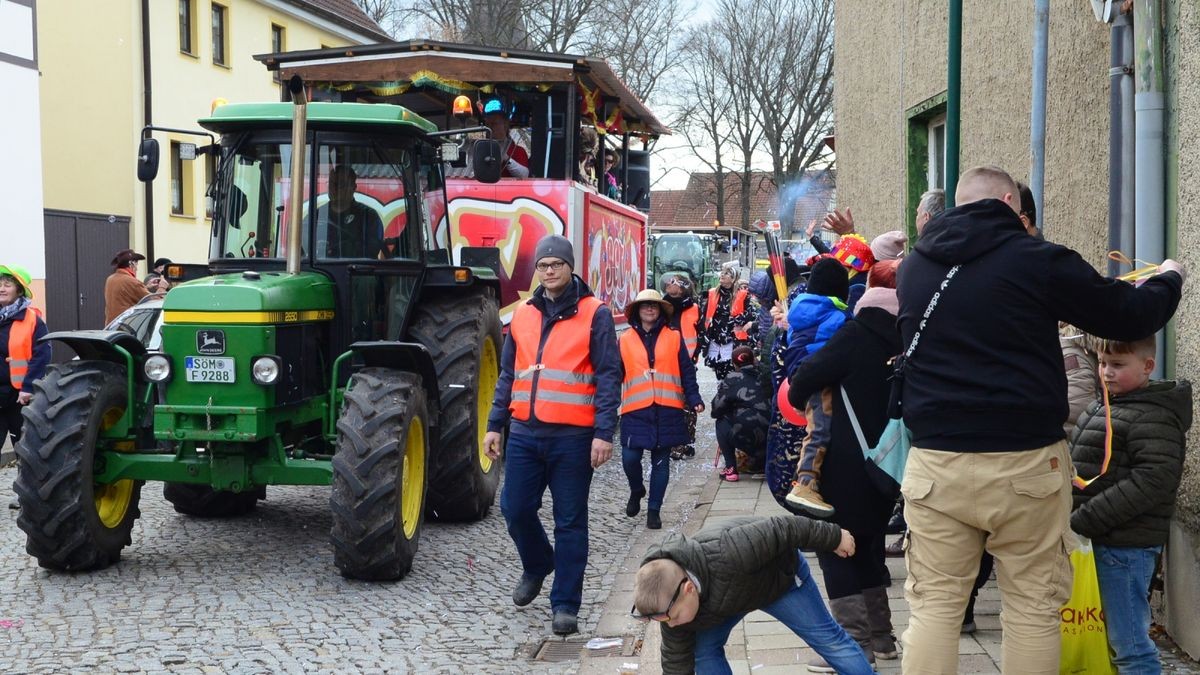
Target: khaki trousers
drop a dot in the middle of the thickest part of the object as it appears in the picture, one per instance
(1016, 505)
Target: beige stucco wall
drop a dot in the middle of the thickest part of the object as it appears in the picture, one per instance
(892, 56)
(91, 90)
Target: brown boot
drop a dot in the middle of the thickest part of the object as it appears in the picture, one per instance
(804, 496)
(851, 613)
(879, 617)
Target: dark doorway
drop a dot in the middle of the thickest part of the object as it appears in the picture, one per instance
(79, 247)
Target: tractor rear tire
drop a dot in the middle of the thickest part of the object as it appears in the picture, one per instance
(462, 333)
(379, 475)
(204, 502)
(70, 522)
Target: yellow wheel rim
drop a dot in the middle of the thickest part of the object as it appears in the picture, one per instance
(489, 375)
(413, 479)
(112, 500)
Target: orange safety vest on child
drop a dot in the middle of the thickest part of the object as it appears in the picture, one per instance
(737, 308)
(558, 384)
(20, 347)
(645, 386)
(687, 326)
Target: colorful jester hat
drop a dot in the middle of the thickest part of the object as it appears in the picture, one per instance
(854, 252)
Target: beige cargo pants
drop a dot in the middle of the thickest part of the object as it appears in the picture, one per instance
(1017, 505)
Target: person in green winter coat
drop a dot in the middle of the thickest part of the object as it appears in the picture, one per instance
(698, 588)
(1125, 509)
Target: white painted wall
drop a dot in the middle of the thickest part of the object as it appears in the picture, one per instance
(21, 229)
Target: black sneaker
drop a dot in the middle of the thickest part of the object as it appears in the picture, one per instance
(527, 590)
(653, 522)
(565, 622)
(634, 505)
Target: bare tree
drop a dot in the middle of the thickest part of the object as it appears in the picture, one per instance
(702, 117)
(560, 26)
(786, 48)
(498, 23)
(640, 39)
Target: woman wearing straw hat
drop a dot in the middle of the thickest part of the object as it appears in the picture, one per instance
(659, 383)
(25, 359)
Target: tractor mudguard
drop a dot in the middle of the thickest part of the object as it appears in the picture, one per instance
(409, 357)
(116, 347)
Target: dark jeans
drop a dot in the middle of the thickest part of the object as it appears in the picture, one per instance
(565, 466)
(728, 441)
(660, 473)
(10, 422)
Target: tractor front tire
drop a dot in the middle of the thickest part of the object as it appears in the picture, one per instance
(204, 502)
(70, 522)
(462, 333)
(379, 479)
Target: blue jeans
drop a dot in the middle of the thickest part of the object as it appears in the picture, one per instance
(564, 465)
(800, 609)
(660, 473)
(1124, 575)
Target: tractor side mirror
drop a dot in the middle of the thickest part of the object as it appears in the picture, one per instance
(147, 166)
(485, 159)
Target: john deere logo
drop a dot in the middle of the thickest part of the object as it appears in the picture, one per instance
(210, 342)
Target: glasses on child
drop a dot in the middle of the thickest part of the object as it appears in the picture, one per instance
(556, 265)
(664, 615)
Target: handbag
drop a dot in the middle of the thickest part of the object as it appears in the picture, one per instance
(885, 461)
(1084, 637)
(890, 454)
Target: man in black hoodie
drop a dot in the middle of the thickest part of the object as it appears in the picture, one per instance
(985, 396)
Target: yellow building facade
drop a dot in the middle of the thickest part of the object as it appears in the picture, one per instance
(99, 89)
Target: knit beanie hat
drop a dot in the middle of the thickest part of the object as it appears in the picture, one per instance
(555, 246)
(828, 277)
(854, 252)
(889, 246)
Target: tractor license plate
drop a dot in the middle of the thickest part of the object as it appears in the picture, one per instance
(209, 369)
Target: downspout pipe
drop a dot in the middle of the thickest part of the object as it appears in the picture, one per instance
(147, 120)
(1150, 160)
(1037, 115)
(1120, 141)
(953, 97)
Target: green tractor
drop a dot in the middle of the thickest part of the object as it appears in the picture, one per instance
(332, 345)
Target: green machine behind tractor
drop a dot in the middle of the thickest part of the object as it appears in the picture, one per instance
(332, 345)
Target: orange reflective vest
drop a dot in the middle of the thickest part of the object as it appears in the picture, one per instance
(555, 379)
(645, 386)
(20, 347)
(687, 326)
(737, 308)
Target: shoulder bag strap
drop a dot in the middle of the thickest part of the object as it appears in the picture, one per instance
(858, 432)
(912, 346)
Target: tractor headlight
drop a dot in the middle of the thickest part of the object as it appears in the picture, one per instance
(157, 368)
(265, 369)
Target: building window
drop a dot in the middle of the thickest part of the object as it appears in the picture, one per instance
(219, 34)
(187, 35)
(278, 45)
(925, 154)
(936, 175)
(181, 181)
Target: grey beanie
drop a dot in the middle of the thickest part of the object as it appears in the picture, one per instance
(555, 246)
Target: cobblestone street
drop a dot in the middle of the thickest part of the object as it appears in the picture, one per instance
(260, 593)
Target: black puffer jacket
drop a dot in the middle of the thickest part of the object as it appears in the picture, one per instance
(1131, 504)
(742, 565)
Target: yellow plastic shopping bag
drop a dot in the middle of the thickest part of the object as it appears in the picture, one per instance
(1084, 640)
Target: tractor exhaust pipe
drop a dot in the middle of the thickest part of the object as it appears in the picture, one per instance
(296, 198)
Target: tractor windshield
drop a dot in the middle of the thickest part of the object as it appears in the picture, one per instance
(356, 205)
